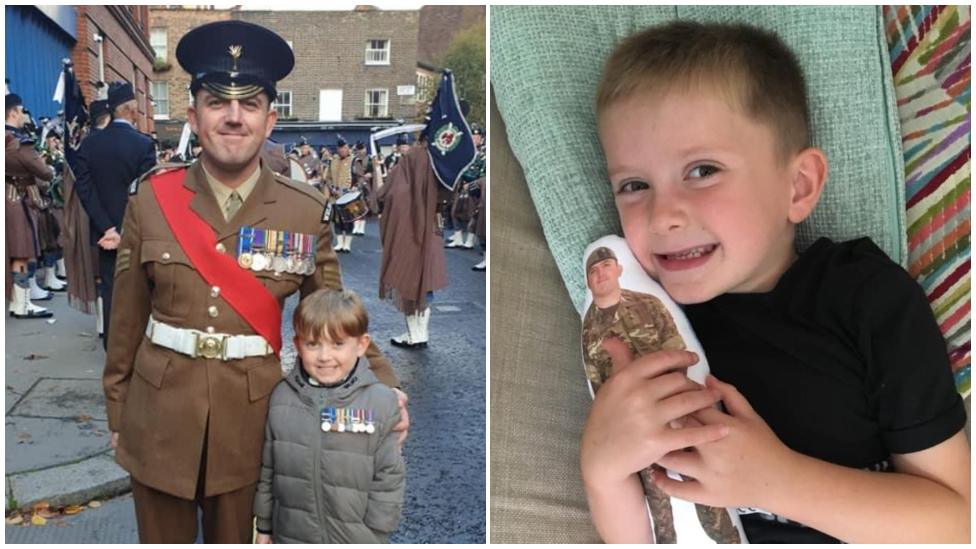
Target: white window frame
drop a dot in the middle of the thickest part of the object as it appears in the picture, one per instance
(158, 113)
(378, 56)
(155, 45)
(280, 106)
(383, 105)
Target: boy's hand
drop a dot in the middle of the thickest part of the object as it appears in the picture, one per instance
(628, 426)
(263, 538)
(735, 471)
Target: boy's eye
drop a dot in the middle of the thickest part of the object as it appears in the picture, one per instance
(632, 185)
(702, 171)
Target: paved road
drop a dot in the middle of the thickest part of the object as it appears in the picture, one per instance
(54, 406)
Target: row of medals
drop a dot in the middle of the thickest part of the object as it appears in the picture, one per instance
(341, 420)
(298, 259)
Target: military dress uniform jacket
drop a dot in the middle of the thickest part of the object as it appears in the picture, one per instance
(164, 403)
(108, 162)
(340, 172)
(641, 321)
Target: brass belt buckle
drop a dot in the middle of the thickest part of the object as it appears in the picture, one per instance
(210, 346)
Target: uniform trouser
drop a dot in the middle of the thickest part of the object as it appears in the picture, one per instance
(164, 518)
(106, 270)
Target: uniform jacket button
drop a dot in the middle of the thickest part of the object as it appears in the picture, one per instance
(215, 291)
(166, 256)
(220, 247)
(212, 311)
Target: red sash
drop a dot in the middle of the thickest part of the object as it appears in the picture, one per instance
(240, 289)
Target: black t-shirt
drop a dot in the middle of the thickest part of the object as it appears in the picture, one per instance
(843, 359)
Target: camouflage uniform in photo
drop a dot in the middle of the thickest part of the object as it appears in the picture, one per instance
(643, 323)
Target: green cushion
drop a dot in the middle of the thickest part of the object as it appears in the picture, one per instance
(545, 66)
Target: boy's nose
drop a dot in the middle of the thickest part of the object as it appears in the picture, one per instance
(667, 214)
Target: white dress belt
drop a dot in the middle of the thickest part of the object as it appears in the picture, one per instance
(204, 344)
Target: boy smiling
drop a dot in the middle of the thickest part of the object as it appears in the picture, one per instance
(837, 369)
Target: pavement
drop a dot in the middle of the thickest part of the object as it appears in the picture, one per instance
(57, 436)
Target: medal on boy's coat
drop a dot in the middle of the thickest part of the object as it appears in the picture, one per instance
(343, 420)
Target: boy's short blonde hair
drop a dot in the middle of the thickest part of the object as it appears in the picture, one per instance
(338, 313)
(751, 67)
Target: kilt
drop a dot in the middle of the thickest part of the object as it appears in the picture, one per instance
(21, 225)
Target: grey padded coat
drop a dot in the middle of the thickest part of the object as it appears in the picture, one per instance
(329, 487)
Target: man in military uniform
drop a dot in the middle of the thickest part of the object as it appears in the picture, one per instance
(108, 162)
(99, 115)
(310, 163)
(467, 195)
(640, 322)
(339, 181)
(208, 255)
(24, 167)
(402, 148)
(362, 180)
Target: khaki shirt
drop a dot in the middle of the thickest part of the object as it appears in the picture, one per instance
(222, 192)
(162, 402)
(641, 321)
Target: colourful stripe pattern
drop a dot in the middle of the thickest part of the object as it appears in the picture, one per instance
(930, 55)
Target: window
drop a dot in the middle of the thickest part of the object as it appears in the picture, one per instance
(376, 103)
(425, 87)
(282, 104)
(377, 52)
(160, 97)
(157, 39)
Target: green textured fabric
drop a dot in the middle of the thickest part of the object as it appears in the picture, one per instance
(545, 65)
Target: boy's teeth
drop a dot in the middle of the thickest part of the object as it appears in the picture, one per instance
(692, 253)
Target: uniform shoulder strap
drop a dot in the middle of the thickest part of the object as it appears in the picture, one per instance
(158, 169)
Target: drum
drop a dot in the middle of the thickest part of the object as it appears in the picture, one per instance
(351, 206)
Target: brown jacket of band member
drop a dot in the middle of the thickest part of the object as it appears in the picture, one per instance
(23, 164)
(161, 401)
(340, 172)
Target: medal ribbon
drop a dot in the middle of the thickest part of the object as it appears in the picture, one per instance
(242, 291)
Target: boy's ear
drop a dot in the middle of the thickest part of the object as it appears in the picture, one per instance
(809, 176)
(362, 345)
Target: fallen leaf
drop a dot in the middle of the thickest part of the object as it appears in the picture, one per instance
(83, 418)
(73, 509)
(38, 520)
(41, 506)
(47, 513)
(34, 356)
(95, 504)
(24, 436)
(15, 519)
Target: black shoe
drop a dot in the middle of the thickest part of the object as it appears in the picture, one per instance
(31, 314)
(406, 345)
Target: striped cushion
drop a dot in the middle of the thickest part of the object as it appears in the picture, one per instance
(930, 58)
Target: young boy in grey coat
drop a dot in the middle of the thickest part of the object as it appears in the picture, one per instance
(331, 470)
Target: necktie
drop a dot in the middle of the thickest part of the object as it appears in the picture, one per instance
(232, 205)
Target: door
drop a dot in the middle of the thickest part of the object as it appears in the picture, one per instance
(330, 105)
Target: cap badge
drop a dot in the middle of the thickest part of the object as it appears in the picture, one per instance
(235, 53)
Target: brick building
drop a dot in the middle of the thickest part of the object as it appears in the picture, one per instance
(349, 65)
(105, 43)
(170, 86)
